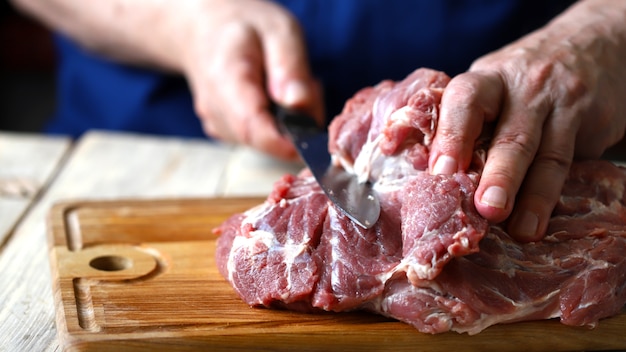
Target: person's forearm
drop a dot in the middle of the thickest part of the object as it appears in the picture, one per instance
(120, 29)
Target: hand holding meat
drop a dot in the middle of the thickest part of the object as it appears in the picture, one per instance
(553, 96)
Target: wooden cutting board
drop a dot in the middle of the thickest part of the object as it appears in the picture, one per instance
(141, 275)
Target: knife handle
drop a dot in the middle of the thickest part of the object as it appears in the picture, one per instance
(290, 120)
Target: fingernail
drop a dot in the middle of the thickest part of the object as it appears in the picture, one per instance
(524, 226)
(295, 93)
(445, 165)
(495, 197)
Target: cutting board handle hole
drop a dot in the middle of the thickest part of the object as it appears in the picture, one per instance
(111, 263)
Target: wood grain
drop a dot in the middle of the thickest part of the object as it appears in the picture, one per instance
(105, 166)
(174, 299)
(27, 163)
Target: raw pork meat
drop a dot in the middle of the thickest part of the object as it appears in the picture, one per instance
(431, 260)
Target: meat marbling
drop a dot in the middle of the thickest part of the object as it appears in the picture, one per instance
(431, 260)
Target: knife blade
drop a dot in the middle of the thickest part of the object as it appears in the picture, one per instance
(356, 199)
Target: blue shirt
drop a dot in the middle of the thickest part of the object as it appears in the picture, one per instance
(351, 43)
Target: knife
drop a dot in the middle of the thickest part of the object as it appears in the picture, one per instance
(356, 199)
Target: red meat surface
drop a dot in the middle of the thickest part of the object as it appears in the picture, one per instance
(431, 260)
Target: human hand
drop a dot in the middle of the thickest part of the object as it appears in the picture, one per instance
(234, 54)
(238, 52)
(554, 95)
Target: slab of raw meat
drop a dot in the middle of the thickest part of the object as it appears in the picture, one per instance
(431, 260)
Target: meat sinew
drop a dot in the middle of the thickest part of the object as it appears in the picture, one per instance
(431, 260)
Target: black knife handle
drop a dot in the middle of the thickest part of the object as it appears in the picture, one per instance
(290, 120)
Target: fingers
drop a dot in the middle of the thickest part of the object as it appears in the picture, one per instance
(230, 95)
(514, 144)
(287, 66)
(234, 105)
(251, 56)
(289, 78)
(544, 180)
(530, 153)
(527, 164)
(468, 101)
(252, 123)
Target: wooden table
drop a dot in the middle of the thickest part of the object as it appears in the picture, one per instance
(37, 171)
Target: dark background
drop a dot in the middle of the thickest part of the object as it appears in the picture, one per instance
(26, 72)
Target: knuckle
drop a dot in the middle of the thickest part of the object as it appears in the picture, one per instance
(474, 94)
(518, 143)
(235, 30)
(463, 90)
(573, 88)
(538, 73)
(284, 22)
(505, 175)
(203, 109)
(209, 129)
(449, 136)
(569, 90)
(204, 106)
(555, 79)
(553, 161)
(290, 25)
(532, 85)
